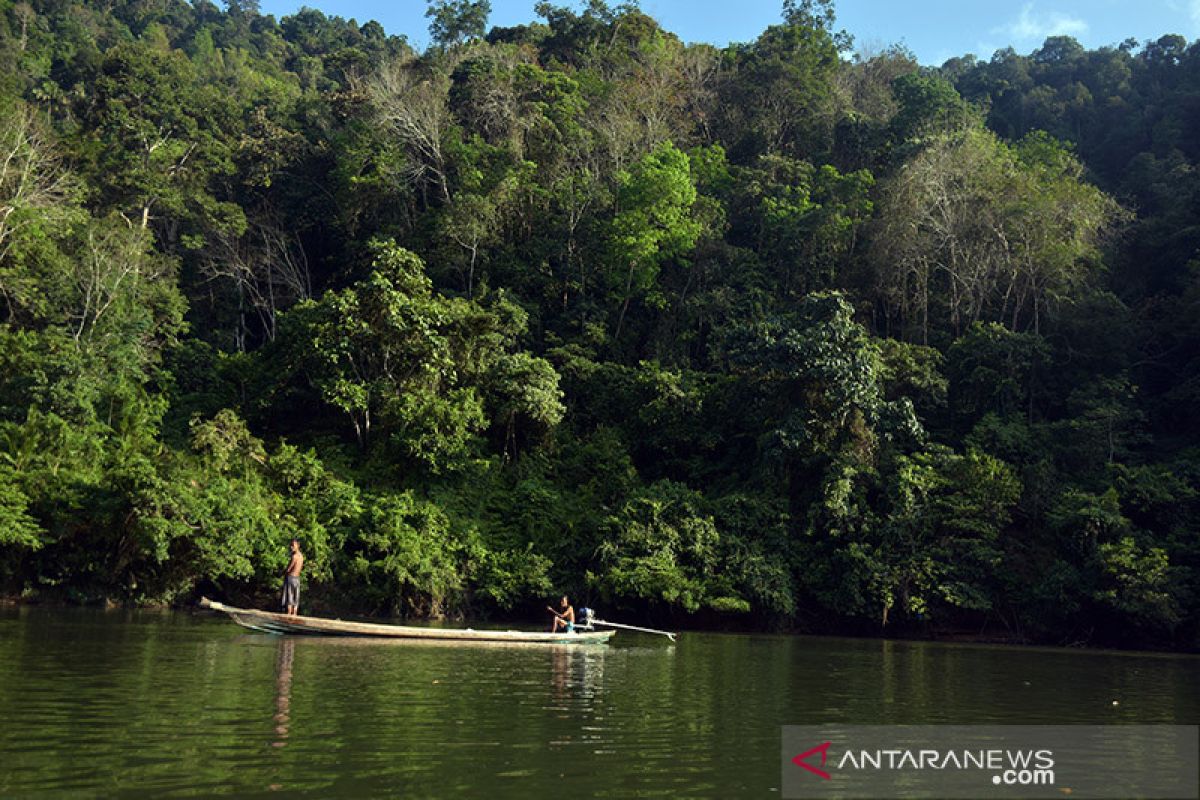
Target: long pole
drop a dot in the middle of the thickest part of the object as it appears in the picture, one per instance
(670, 636)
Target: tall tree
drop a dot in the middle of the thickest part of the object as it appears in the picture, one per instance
(452, 22)
(654, 222)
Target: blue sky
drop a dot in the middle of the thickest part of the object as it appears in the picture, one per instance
(933, 29)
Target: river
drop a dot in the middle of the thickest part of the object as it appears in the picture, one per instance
(125, 703)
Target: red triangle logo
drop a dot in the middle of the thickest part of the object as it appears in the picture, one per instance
(800, 761)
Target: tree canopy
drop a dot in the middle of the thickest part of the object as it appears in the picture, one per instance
(772, 334)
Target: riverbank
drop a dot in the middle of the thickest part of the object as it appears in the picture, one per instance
(695, 625)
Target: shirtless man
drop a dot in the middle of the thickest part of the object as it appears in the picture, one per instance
(291, 580)
(565, 620)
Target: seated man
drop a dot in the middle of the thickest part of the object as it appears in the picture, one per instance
(565, 620)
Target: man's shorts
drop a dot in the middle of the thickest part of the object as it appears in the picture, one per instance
(291, 591)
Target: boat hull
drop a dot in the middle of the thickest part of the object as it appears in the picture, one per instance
(283, 624)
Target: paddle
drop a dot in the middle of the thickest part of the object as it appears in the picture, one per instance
(667, 634)
(589, 619)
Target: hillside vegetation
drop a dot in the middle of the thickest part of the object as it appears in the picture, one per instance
(764, 335)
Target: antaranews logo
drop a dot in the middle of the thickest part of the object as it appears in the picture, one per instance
(1007, 767)
(991, 761)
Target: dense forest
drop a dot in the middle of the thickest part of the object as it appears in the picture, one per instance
(781, 334)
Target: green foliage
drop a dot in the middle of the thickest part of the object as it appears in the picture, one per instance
(1137, 583)
(17, 528)
(406, 363)
(407, 556)
(654, 222)
(655, 197)
(823, 377)
(955, 508)
(807, 218)
(928, 106)
(992, 369)
(913, 371)
(155, 143)
(661, 548)
(757, 555)
(780, 101)
(452, 21)
(768, 331)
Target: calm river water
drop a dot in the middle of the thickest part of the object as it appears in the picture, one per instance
(97, 703)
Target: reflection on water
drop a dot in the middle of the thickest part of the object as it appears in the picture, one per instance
(283, 689)
(125, 703)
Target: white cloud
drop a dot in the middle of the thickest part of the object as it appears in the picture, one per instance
(1189, 7)
(1032, 26)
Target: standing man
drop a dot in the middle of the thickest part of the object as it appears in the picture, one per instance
(291, 580)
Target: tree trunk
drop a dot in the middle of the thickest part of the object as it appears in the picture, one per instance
(625, 305)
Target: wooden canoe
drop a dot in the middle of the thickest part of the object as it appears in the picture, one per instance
(269, 622)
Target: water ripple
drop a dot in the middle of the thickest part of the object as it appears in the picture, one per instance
(114, 705)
